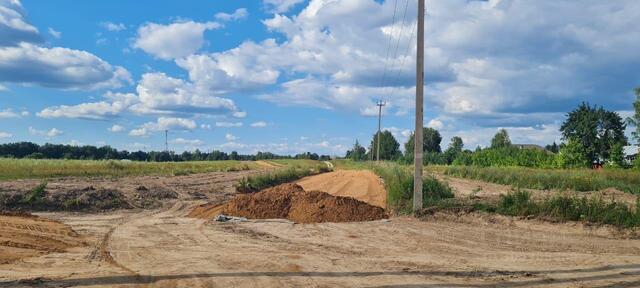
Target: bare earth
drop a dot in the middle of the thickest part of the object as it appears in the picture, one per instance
(362, 185)
(163, 248)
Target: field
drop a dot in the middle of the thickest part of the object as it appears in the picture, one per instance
(28, 169)
(155, 242)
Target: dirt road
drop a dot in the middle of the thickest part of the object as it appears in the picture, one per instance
(163, 248)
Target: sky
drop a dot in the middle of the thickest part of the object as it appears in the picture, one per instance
(290, 76)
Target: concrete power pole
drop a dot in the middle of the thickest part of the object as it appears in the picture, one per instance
(379, 104)
(417, 150)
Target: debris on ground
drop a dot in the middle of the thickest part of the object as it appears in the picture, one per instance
(291, 201)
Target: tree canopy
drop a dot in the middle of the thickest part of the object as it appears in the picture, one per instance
(357, 153)
(635, 119)
(431, 140)
(501, 139)
(597, 130)
(389, 147)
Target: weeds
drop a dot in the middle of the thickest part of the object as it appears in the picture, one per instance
(261, 181)
(546, 179)
(36, 196)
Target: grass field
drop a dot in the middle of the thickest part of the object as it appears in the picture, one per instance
(11, 169)
(546, 179)
(291, 170)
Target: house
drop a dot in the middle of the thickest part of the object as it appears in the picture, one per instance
(631, 153)
(529, 146)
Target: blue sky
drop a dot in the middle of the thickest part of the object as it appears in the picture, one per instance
(289, 76)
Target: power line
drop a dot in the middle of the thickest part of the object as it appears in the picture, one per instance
(386, 59)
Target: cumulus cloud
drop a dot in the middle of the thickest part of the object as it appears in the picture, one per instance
(259, 124)
(230, 137)
(58, 68)
(116, 128)
(24, 61)
(14, 28)
(9, 113)
(161, 94)
(281, 6)
(5, 135)
(187, 142)
(240, 13)
(45, 133)
(117, 104)
(174, 40)
(228, 124)
(114, 27)
(164, 123)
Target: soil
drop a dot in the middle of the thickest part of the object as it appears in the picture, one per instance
(164, 248)
(362, 185)
(291, 201)
(103, 194)
(25, 235)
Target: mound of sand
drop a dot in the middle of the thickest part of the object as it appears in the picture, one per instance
(25, 235)
(292, 202)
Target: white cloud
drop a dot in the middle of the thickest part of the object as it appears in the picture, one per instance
(54, 33)
(174, 40)
(240, 13)
(49, 134)
(401, 135)
(8, 113)
(5, 135)
(228, 124)
(161, 94)
(114, 27)
(187, 142)
(435, 124)
(164, 123)
(93, 111)
(3, 88)
(259, 124)
(281, 6)
(74, 142)
(239, 114)
(13, 27)
(230, 137)
(58, 68)
(116, 128)
(205, 126)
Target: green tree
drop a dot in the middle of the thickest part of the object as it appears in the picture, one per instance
(501, 139)
(389, 147)
(431, 140)
(454, 149)
(617, 156)
(572, 155)
(358, 153)
(553, 147)
(597, 129)
(635, 119)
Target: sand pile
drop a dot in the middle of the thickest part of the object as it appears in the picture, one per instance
(290, 201)
(25, 235)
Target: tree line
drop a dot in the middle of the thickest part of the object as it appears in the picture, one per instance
(59, 151)
(591, 135)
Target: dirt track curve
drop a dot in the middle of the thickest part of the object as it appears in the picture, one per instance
(163, 248)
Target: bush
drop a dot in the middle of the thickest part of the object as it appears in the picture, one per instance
(258, 182)
(507, 156)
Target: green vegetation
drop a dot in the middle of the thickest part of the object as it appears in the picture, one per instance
(261, 181)
(575, 179)
(389, 147)
(507, 156)
(39, 169)
(36, 196)
(566, 208)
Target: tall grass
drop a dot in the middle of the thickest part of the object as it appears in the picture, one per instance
(569, 208)
(265, 180)
(38, 169)
(546, 179)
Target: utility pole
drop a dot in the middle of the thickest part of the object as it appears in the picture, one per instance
(379, 104)
(166, 140)
(417, 150)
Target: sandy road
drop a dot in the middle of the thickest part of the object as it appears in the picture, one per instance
(162, 248)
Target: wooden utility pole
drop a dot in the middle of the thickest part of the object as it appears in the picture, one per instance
(379, 104)
(417, 150)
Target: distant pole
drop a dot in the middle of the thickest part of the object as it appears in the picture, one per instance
(417, 150)
(379, 104)
(166, 140)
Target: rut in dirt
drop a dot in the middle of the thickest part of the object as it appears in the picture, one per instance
(290, 201)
